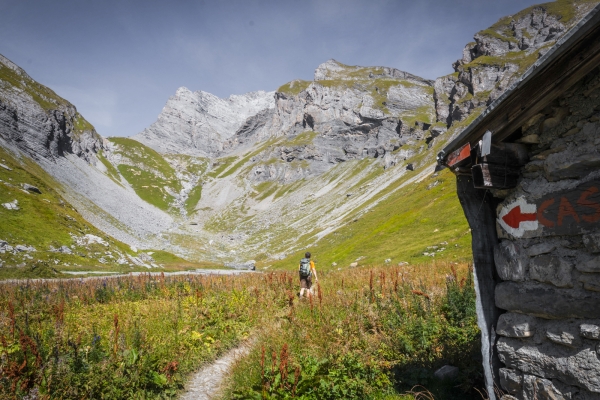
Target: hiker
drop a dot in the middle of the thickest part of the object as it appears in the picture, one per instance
(307, 270)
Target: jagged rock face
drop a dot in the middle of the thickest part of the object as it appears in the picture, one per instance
(199, 123)
(334, 70)
(510, 46)
(40, 123)
(356, 112)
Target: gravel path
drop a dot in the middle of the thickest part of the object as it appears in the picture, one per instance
(206, 383)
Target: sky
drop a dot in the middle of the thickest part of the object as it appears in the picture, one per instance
(118, 61)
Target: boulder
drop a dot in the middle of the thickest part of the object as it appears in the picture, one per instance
(146, 257)
(65, 250)
(13, 205)
(31, 188)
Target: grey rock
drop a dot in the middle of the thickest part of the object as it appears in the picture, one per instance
(354, 264)
(535, 388)
(508, 397)
(145, 257)
(590, 281)
(40, 132)
(5, 167)
(22, 248)
(547, 301)
(590, 331)
(592, 242)
(511, 262)
(549, 269)
(592, 265)
(65, 250)
(31, 188)
(13, 205)
(564, 338)
(516, 325)
(578, 367)
(511, 380)
(446, 373)
(198, 123)
(541, 248)
(570, 166)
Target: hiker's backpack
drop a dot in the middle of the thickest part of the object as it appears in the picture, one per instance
(305, 271)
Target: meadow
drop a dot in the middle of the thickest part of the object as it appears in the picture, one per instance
(373, 332)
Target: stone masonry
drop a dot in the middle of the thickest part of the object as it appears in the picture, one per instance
(549, 260)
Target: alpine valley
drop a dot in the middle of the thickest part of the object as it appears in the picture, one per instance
(343, 165)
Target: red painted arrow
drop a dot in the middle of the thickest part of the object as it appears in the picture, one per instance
(514, 217)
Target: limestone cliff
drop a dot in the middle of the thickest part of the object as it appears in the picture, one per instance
(39, 122)
(198, 123)
(500, 55)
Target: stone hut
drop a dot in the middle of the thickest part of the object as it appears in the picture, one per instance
(528, 179)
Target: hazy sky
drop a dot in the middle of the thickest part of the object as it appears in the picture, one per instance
(119, 61)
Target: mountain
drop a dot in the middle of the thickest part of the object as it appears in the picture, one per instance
(329, 164)
(199, 123)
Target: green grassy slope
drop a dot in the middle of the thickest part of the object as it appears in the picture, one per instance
(147, 172)
(401, 228)
(46, 220)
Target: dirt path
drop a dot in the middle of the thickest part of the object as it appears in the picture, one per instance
(206, 383)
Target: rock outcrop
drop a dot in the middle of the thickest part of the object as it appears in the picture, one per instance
(199, 123)
(498, 56)
(40, 123)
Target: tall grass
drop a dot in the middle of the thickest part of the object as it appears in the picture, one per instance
(366, 333)
(135, 337)
(369, 333)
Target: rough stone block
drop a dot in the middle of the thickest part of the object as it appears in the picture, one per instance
(516, 325)
(510, 260)
(577, 367)
(590, 282)
(592, 265)
(547, 301)
(563, 338)
(535, 388)
(590, 331)
(511, 380)
(592, 242)
(549, 269)
(559, 166)
(541, 248)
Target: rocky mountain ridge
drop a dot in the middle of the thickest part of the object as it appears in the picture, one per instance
(199, 123)
(263, 174)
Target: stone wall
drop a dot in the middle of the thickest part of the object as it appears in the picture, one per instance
(548, 255)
